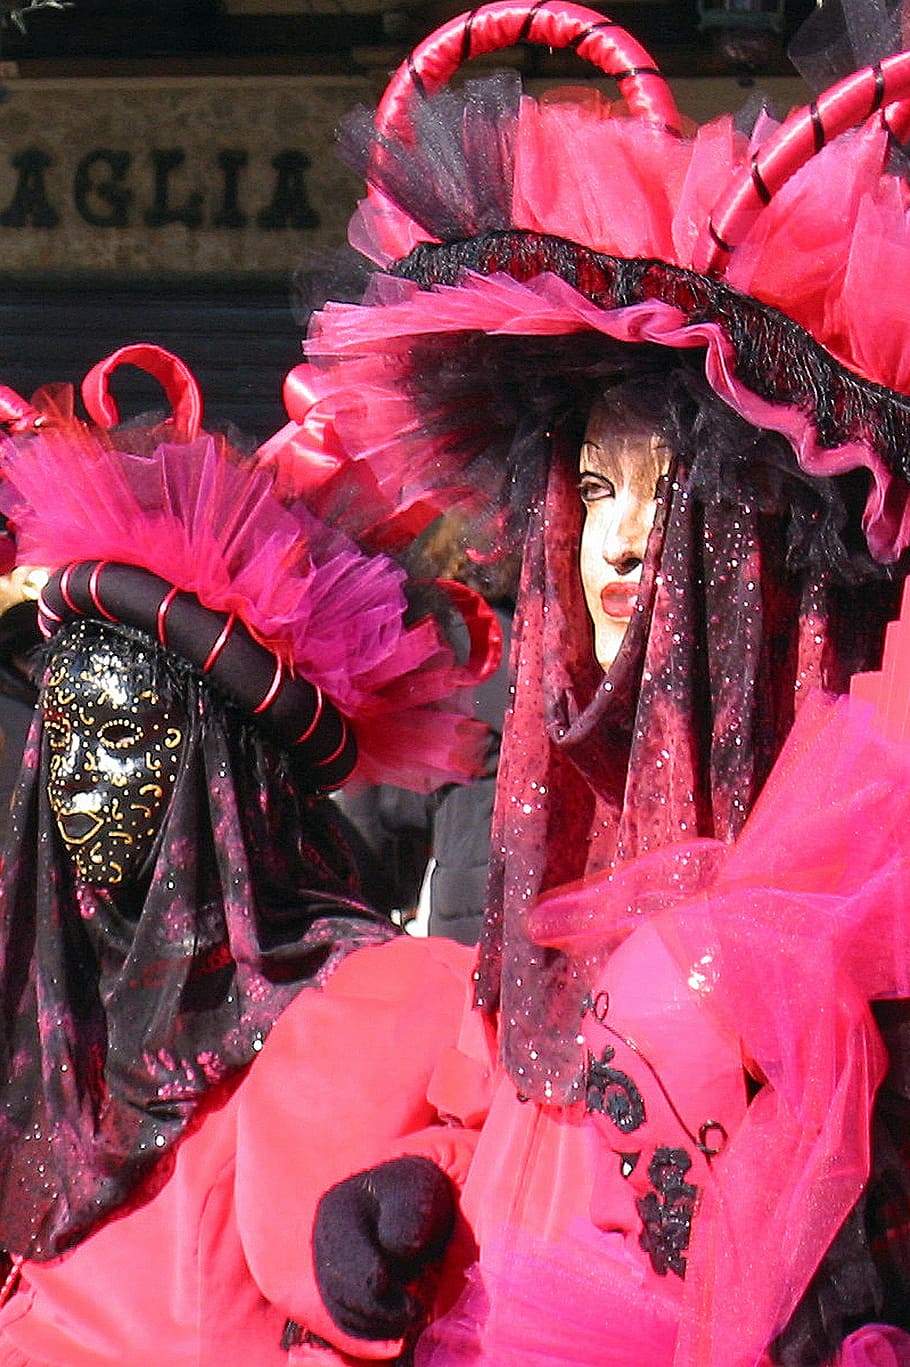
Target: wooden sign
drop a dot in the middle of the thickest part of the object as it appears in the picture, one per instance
(205, 174)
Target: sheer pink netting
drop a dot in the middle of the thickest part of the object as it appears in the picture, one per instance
(628, 186)
(209, 523)
(583, 1302)
(812, 920)
(376, 492)
(874, 283)
(876, 1345)
(828, 251)
(807, 920)
(616, 191)
(820, 251)
(580, 1302)
(717, 147)
(382, 232)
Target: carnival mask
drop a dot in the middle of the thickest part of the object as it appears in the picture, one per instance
(665, 1089)
(115, 743)
(621, 470)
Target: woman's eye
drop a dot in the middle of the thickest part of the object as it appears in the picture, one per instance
(118, 735)
(595, 487)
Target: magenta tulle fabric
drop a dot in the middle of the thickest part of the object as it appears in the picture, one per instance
(807, 920)
(582, 1302)
(209, 523)
(668, 185)
(824, 248)
(876, 1345)
(373, 337)
(631, 189)
(772, 949)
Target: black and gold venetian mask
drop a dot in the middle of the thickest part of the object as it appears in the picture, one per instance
(116, 739)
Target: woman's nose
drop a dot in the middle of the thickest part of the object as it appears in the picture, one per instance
(626, 539)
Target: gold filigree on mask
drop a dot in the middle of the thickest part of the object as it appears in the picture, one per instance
(114, 757)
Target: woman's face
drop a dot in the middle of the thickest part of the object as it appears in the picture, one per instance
(621, 469)
(115, 749)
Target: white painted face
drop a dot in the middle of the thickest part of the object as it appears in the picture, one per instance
(621, 469)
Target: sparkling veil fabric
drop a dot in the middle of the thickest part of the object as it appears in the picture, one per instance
(781, 941)
(118, 1019)
(674, 743)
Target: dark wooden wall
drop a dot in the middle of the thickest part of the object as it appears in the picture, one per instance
(238, 335)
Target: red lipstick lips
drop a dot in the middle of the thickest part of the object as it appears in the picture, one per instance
(618, 600)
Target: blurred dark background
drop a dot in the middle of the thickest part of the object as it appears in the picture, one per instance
(688, 37)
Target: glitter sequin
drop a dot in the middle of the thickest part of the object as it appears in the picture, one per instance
(678, 740)
(128, 1001)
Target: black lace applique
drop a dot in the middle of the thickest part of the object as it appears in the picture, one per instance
(775, 357)
(667, 1215)
(613, 1093)
(292, 1336)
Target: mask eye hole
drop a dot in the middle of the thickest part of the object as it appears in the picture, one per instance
(628, 1162)
(118, 734)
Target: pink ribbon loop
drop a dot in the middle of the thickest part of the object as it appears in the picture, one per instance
(175, 377)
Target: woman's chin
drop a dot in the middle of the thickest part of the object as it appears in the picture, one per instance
(608, 638)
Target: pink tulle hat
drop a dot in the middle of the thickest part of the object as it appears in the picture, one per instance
(570, 213)
(171, 530)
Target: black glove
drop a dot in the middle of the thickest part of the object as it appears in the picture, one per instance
(375, 1233)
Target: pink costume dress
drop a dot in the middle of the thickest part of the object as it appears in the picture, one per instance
(529, 252)
(133, 1002)
(207, 1263)
(716, 1212)
(667, 1219)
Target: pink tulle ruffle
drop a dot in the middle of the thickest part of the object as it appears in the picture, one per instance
(629, 188)
(876, 1345)
(794, 930)
(199, 517)
(578, 1302)
(371, 340)
(378, 496)
(829, 251)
